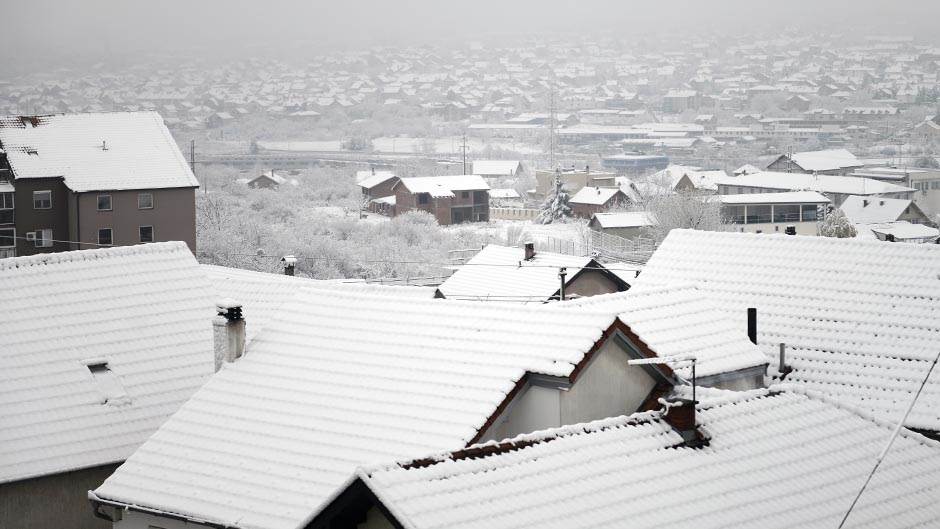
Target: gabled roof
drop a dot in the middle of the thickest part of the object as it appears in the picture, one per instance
(774, 460)
(826, 160)
(96, 151)
(273, 435)
(373, 179)
(444, 186)
(145, 311)
(501, 273)
(623, 219)
(859, 318)
(823, 183)
(786, 197)
(862, 210)
(343, 377)
(596, 196)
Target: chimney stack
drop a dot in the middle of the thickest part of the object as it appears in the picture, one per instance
(228, 332)
(752, 325)
(783, 368)
(529, 251)
(680, 414)
(890, 237)
(289, 261)
(864, 202)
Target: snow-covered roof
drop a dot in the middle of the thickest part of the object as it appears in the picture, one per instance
(624, 219)
(786, 197)
(444, 186)
(270, 175)
(861, 210)
(774, 460)
(846, 185)
(502, 273)
(372, 179)
(595, 196)
(860, 319)
(901, 230)
(495, 167)
(826, 160)
(343, 377)
(504, 193)
(145, 311)
(746, 169)
(96, 151)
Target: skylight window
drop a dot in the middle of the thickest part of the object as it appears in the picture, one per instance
(108, 383)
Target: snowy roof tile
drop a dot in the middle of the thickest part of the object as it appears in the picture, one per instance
(862, 210)
(96, 151)
(444, 186)
(826, 160)
(595, 196)
(145, 311)
(774, 460)
(860, 319)
(848, 185)
(624, 219)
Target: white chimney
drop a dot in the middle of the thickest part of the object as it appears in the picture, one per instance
(228, 332)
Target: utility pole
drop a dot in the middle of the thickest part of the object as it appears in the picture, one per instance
(562, 272)
(551, 129)
(464, 149)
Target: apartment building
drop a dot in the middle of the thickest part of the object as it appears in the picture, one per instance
(80, 181)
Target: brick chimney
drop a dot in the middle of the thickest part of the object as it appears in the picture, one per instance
(228, 332)
(680, 414)
(529, 251)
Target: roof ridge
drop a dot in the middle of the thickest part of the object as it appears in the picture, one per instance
(95, 253)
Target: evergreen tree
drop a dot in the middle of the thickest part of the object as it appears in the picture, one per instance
(836, 224)
(555, 208)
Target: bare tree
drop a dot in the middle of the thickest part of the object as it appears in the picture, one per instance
(683, 210)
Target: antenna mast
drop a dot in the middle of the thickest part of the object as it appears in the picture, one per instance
(551, 129)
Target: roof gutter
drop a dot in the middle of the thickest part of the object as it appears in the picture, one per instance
(97, 501)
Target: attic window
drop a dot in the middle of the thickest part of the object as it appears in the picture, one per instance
(108, 384)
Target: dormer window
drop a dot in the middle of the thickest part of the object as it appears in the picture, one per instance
(108, 383)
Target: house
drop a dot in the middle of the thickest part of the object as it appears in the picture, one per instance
(451, 199)
(797, 103)
(685, 178)
(573, 179)
(497, 168)
(830, 162)
(774, 212)
(626, 224)
(874, 210)
(899, 231)
(505, 198)
(590, 200)
(98, 348)
(306, 405)
(378, 188)
(502, 273)
(835, 188)
(928, 129)
(776, 458)
(269, 180)
(219, 119)
(88, 180)
(856, 318)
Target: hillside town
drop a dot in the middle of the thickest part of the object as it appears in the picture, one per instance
(566, 280)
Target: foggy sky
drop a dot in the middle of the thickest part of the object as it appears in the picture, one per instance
(45, 30)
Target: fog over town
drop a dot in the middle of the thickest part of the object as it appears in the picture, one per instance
(315, 264)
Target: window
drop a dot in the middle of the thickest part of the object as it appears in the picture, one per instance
(145, 200)
(787, 213)
(757, 214)
(43, 238)
(464, 194)
(423, 198)
(809, 212)
(108, 384)
(6, 208)
(734, 214)
(146, 233)
(7, 237)
(104, 236)
(42, 199)
(104, 202)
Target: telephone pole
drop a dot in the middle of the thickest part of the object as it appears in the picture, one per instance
(551, 129)
(464, 149)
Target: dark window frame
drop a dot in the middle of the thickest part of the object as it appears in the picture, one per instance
(139, 195)
(110, 237)
(140, 233)
(11, 237)
(37, 202)
(110, 204)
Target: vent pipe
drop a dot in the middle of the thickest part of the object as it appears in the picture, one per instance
(752, 325)
(782, 367)
(562, 272)
(529, 251)
(228, 332)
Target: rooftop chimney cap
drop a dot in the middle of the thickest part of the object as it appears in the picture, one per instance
(229, 309)
(289, 260)
(529, 250)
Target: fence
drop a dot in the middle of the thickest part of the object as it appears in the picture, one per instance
(514, 213)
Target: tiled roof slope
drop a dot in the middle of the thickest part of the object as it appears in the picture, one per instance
(775, 460)
(341, 378)
(140, 153)
(262, 294)
(502, 273)
(861, 319)
(145, 310)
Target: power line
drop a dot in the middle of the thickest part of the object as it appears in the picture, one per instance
(894, 436)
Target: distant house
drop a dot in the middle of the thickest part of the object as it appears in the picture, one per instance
(590, 200)
(76, 181)
(774, 212)
(505, 198)
(451, 199)
(626, 224)
(831, 162)
(835, 188)
(269, 180)
(929, 128)
(573, 179)
(797, 103)
(491, 276)
(378, 188)
(219, 119)
(98, 349)
(688, 178)
(497, 168)
(871, 210)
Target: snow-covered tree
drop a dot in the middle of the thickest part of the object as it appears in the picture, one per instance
(683, 210)
(836, 224)
(555, 208)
